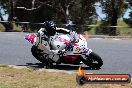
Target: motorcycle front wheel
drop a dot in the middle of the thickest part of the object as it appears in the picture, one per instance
(93, 61)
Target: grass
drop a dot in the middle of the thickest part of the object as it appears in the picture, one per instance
(29, 78)
(16, 28)
(124, 31)
(2, 28)
(3, 65)
(3, 86)
(121, 31)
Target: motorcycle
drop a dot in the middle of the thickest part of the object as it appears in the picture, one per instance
(69, 52)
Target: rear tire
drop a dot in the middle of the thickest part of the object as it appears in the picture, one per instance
(37, 53)
(92, 58)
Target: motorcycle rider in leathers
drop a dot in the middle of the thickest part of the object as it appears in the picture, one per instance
(50, 29)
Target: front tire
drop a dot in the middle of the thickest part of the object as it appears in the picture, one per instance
(93, 61)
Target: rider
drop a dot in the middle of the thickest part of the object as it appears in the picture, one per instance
(50, 29)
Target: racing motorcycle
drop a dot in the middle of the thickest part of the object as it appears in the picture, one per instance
(69, 52)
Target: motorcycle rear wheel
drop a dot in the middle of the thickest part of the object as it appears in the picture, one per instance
(92, 58)
(37, 53)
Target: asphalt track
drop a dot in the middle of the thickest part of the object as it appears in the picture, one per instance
(116, 54)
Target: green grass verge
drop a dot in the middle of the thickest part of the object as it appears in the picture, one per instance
(4, 86)
(121, 31)
(16, 28)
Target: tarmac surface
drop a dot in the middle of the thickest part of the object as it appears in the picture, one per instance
(116, 53)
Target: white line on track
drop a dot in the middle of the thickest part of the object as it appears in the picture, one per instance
(97, 38)
(116, 39)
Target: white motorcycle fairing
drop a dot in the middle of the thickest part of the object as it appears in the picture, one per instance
(61, 42)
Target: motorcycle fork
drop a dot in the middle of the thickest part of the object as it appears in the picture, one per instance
(86, 55)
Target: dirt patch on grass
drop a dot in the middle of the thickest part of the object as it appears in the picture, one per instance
(29, 78)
